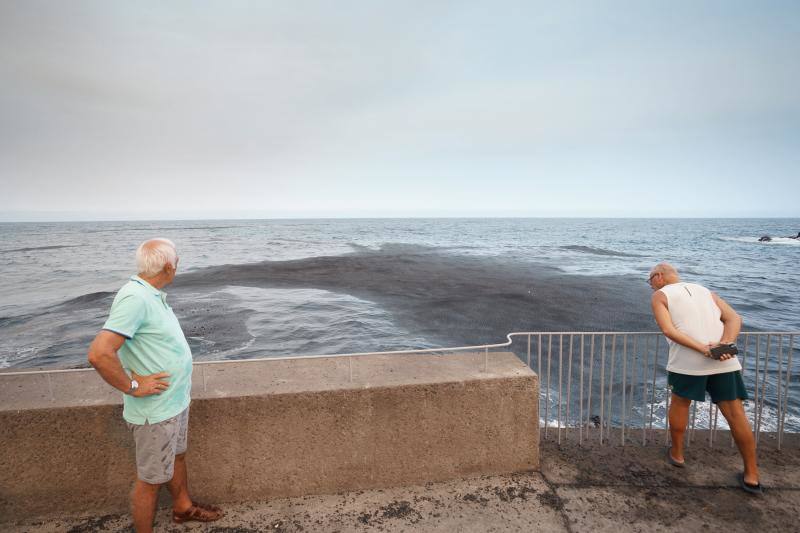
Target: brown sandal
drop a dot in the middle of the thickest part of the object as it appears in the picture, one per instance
(198, 512)
(207, 506)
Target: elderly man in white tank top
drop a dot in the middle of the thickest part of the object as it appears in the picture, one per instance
(695, 320)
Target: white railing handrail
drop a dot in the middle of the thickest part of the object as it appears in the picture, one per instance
(399, 352)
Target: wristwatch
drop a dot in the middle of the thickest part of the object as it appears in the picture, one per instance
(134, 386)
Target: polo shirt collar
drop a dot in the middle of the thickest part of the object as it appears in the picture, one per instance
(146, 285)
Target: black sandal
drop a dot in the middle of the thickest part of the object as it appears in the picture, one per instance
(672, 461)
(756, 489)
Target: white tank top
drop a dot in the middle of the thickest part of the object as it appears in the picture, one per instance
(694, 312)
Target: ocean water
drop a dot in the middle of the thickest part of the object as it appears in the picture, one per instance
(43, 265)
(261, 288)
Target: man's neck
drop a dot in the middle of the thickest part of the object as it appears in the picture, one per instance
(159, 281)
(671, 281)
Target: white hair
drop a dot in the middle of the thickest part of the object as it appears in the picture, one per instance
(664, 268)
(153, 255)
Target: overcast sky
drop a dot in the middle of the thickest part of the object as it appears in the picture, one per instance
(115, 109)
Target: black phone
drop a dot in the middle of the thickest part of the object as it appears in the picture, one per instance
(718, 351)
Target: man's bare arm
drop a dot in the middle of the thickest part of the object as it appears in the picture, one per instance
(731, 321)
(103, 357)
(664, 321)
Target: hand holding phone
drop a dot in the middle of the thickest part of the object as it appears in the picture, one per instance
(722, 349)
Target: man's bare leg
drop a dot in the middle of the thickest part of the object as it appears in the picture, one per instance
(733, 411)
(678, 420)
(143, 505)
(179, 486)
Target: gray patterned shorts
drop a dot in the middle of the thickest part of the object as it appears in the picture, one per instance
(157, 445)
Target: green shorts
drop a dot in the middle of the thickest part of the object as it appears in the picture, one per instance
(721, 387)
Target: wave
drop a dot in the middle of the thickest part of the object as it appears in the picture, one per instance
(13, 321)
(598, 251)
(89, 298)
(34, 248)
(160, 228)
(775, 240)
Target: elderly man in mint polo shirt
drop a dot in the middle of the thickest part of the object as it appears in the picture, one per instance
(142, 351)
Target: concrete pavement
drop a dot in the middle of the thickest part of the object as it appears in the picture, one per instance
(579, 489)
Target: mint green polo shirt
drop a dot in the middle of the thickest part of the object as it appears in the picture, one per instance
(155, 343)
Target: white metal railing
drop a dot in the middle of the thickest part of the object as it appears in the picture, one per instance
(601, 374)
(616, 380)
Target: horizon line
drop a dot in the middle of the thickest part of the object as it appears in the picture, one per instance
(409, 217)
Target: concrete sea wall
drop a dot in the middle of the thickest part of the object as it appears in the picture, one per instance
(269, 429)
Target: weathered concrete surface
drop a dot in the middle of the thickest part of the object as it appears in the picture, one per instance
(519, 502)
(632, 488)
(275, 429)
(579, 489)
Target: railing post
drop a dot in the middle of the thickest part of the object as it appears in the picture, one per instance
(591, 371)
(611, 384)
(653, 390)
(744, 368)
(529, 350)
(710, 427)
(755, 394)
(634, 371)
(644, 389)
(560, 373)
(539, 358)
(779, 390)
(547, 392)
(666, 420)
(569, 388)
(624, 381)
(786, 390)
(763, 389)
(602, 385)
(580, 414)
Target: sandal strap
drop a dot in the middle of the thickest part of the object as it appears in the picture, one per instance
(208, 506)
(195, 513)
